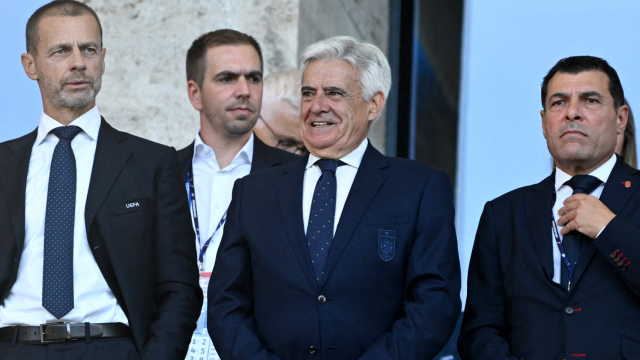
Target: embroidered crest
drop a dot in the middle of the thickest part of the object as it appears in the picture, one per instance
(386, 244)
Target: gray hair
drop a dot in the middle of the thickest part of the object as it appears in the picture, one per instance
(367, 59)
(283, 85)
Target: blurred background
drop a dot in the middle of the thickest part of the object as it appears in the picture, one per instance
(466, 74)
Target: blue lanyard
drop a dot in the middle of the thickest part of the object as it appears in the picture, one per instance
(556, 235)
(191, 193)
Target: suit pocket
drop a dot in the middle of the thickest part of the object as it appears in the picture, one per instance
(387, 219)
(130, 206)
(629, 348)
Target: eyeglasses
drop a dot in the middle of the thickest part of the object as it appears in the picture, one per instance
(285, 145)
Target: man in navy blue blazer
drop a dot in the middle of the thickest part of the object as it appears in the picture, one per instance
(554, 271)
(386, 286)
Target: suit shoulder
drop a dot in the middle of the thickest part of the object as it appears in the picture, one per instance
(515, 195)
(406, 167)
(286, 157)
(24, 139)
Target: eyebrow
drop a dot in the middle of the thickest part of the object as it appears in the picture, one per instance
(66, 45)
(307, 88)
(590, 93)
(335, 88)
(237, 74)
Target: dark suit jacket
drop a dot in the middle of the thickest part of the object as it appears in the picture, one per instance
(145, 253)
(264, 157)
(263, 296)
(515, 310)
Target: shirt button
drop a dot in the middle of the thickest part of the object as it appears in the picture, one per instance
(322, 299)
(568, 310)
(312, 350)
(206, 151)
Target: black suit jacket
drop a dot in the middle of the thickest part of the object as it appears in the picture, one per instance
(264, 157)
(145, 253)
(264, 301)
(515, 311)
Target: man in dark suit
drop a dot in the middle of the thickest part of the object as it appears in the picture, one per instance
(224, 82)
(387, 285)
(552, 272)
(95, 243)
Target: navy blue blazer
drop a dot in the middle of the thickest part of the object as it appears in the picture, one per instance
(515, 311)
(265, 303)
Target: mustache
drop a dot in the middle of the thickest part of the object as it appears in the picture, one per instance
(574, 126)
(242, 103)
(77, 76)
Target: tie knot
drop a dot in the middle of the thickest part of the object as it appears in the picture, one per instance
(66, 132)
(583, 184)
(328, 164)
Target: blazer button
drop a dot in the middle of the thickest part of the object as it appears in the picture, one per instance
(568, 310)
(312, 350)
(322, 299)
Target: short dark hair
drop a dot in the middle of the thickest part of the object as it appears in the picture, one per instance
(55, 8)
(578, 64)
(197, 54)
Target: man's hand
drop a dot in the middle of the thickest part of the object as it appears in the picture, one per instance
(584, 213)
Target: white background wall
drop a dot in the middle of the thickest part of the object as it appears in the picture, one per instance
(508, 47)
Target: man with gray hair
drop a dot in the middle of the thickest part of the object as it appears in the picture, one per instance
(278, 124)
(386, 286)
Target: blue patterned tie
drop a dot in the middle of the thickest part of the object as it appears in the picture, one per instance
(57, 272)
(581, 184)
(322, 215)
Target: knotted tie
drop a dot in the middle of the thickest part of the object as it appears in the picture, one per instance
(57, 272)
(322, 216)
(581, 184)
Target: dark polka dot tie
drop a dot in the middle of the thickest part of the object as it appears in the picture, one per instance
(57, 272)
(322, 215)
(581, 184)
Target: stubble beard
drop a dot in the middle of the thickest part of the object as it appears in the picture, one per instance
(60, 97)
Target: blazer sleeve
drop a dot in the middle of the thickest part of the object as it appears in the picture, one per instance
(622, 234)
(230, 319)
(432, 283)
(177, 294)
(484, 325)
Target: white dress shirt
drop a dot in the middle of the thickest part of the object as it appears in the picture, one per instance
(213, 192)
(344, 179)
(562, 193)
(93, 299)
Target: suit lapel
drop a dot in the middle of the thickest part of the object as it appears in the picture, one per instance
(110, 157)
(615, 196)
(370, 176)
(186, 158)
(538, 211)
(290, 196)
(14, 169)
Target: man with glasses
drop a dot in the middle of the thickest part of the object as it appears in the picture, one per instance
(279, 122)
(224, 83)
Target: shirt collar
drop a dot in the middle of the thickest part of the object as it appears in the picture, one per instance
(244, 156)
(352, 159)
(89, 122)
(601, 173)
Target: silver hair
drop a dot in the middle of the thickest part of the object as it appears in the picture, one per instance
(367, 59)
(283, 85)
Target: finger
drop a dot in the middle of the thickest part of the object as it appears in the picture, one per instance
(568, 207)
(568, 227)
(575, 197)
(567, 217)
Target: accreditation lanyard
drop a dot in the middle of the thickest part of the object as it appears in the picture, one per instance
(191, 192)
(563, 254)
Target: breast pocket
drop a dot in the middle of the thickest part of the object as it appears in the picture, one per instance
(130, 206)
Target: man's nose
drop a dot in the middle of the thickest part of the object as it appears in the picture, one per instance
(77, 60)
(318, 104)
(573, 110)
(242, 88)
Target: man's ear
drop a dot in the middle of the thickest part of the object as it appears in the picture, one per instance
(544, 132)
(376, 104)
(622, 118)
(195, 95)
(29, 65)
